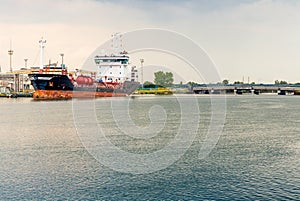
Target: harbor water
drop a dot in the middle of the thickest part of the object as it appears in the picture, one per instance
(257, 156)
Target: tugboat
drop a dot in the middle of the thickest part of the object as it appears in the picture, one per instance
(114, 77)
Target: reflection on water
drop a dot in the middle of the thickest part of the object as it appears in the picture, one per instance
(257, 156)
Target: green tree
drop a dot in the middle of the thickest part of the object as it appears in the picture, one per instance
(283, 82)
(277, 82)
(192, 84)
(163, 79)
(146, 83)
(225, 82)
(238, 82)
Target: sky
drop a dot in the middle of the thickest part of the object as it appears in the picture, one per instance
(257, 40)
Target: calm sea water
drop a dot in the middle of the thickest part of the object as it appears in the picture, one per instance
(257, 156)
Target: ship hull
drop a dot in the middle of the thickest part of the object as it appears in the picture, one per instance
(65, 95)
(59, 87)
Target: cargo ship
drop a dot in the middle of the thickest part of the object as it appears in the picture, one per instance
(113, 77)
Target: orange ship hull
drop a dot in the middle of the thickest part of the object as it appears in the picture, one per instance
(64, 95)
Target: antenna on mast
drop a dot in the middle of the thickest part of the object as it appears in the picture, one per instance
(116, 45)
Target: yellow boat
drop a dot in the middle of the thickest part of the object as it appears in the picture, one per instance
(157, 91)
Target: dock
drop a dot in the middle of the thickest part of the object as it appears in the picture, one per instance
(15, 84)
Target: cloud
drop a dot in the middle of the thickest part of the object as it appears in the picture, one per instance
(256, 38)
(73, 27)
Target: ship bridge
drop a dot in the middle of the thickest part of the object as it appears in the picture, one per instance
(111, 60)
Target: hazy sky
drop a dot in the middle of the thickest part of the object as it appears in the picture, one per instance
(259, 39)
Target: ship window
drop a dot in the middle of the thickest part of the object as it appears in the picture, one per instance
(124, 61)
(110, 73)
(110, 66)
(120, 72)
(98, 61)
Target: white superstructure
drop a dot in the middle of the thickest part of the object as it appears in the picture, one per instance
(113, 68)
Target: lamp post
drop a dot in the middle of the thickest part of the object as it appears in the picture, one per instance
(62, 59)
(10, 53)
(26, 63)
(142, 73)
(42, 46)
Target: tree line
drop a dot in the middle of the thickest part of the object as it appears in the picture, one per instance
(166, 79)
(276, 82)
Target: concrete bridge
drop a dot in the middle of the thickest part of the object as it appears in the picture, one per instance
(247, 89)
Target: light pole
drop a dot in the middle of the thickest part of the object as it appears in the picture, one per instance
(62, 59)
(142, 73)
(42, 46)
(26, 63)
(10, 53)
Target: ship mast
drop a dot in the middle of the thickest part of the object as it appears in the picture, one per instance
(116, 44)
(42, 46)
